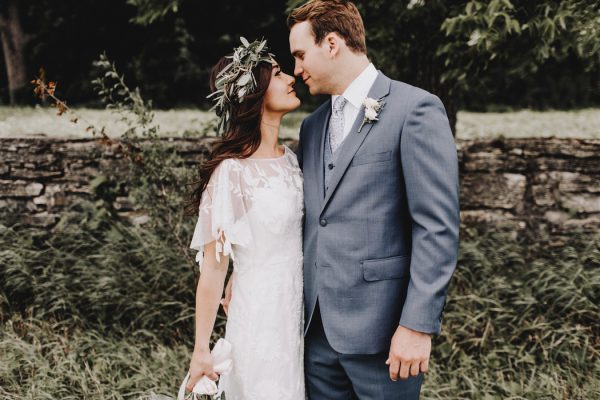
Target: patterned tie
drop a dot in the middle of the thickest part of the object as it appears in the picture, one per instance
(336, 124)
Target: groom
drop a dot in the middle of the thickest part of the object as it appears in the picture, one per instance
(381, 214)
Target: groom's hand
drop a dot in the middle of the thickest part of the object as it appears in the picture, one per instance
(409, 353)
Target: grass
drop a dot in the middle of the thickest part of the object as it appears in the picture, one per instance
(24, 121)
(34, 121)
(46, 360)
(521, 320)
(97, 308)
(526, 123)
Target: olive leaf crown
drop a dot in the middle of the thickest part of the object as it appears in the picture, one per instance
(237, 80)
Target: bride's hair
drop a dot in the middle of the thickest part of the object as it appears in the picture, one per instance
(243, 136)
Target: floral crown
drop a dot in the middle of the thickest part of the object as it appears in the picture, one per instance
(237, 80)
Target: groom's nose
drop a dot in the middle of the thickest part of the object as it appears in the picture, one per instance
(298, 69)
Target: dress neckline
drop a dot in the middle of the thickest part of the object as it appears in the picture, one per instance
(285, 151)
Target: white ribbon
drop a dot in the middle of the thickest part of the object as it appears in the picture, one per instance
(222, 365)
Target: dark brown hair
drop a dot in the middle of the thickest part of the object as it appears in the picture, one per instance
(326, 16)
(242, 138)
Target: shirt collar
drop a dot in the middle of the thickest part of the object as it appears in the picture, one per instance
(358, 90)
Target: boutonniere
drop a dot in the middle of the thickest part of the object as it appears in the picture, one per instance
(372, 108)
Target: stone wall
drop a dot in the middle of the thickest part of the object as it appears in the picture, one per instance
(525, 182)
(553, 183)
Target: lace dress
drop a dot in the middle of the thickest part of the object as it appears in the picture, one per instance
(257, 203)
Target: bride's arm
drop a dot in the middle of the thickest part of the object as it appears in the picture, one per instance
(208, 295)
(227, 299)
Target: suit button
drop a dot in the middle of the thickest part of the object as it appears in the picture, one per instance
(330, 166)
(323, 222)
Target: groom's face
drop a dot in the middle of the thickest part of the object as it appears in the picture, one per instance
(313, 62)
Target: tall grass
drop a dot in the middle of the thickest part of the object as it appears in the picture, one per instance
(521, 320)
(97, 308)
(50, 360)
(98, 273)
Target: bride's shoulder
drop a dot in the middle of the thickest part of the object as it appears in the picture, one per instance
(230, 163)
(228, 168)
(291, 154)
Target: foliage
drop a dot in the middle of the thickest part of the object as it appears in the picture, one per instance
(149, 11)
(129, 104)
(99, 274)
(170, 58)
(172, 44)
(474, 52)
(101, 308)
(520, 319)
(40, 359)
(488, 38)
(236, 79)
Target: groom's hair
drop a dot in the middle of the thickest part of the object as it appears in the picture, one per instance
(326, 16)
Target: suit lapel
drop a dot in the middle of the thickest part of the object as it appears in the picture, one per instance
(380, 89)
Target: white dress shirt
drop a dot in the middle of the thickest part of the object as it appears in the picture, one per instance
(356, 93)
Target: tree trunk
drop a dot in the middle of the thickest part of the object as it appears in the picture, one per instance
(13, 46)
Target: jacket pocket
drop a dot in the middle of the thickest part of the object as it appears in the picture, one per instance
(386, 268)
(361, 159)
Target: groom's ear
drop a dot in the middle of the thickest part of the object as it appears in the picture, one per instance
(333, 42)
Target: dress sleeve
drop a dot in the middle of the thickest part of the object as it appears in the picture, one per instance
(222, 215)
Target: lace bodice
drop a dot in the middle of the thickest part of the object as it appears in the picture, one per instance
(241, 190)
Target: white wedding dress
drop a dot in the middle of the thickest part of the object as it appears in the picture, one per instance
(258, 205)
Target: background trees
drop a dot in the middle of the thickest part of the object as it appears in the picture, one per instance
(476, 54)
(473, 54)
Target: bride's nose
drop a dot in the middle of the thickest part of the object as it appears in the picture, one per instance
(291, 80)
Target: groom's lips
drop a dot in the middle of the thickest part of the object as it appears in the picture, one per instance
(306, 79)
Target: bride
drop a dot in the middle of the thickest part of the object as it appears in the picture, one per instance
(250, 208)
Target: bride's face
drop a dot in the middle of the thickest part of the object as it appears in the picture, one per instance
(281, 96)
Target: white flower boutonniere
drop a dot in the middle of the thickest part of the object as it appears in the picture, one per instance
(372, 108)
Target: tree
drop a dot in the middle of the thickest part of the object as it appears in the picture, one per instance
(150, 11)
(14, 41)
(457, 48)
(514, 39)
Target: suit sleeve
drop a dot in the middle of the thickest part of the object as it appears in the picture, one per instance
(430, 168)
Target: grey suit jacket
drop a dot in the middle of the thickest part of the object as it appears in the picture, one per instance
(381, 245)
